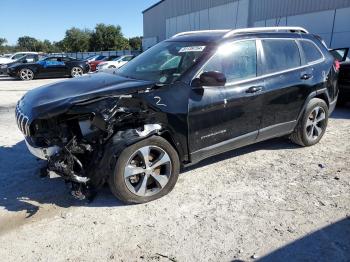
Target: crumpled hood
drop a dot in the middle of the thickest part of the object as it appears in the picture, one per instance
(54, 99)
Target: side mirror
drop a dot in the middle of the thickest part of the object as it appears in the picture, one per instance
(211, 78)
(25, 61)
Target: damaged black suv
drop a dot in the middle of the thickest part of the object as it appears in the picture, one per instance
(190, 97)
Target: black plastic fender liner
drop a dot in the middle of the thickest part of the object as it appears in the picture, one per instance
(115, 145)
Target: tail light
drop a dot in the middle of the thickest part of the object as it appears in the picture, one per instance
(336, 65)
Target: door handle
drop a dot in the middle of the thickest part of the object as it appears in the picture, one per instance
(254, 89)
(306, 76)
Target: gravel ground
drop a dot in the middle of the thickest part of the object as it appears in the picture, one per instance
(272, 201)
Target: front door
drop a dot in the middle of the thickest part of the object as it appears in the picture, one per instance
(53, 66)
(225, 117)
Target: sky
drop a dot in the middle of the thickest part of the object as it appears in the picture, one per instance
(49, 19)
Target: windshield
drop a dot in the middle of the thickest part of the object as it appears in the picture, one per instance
(164, 63)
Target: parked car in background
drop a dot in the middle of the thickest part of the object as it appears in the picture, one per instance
(95, 58)
(49, 67)
(114, 63)
(5, 55)
(342, 55)
(14, 57)
(223, 89)
(29, 58)
(93, 64)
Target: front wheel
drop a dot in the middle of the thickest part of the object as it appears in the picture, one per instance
(312, 125)
(26, 74)
(145, 171)
(76, 71)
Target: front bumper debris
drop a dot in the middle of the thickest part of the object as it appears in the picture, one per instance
(42, 153)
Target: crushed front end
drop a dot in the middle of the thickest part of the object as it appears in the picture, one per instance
(75, 141)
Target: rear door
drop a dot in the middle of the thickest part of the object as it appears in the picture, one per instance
(224, 117)
(287, 85)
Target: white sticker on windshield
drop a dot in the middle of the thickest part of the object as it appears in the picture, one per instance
(192, 49)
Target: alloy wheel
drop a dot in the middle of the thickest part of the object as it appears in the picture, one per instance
(315, 123)
(147, 171)
(26, 74)
(77, 71)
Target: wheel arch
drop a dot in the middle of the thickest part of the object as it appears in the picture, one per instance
(321, 94)
(125, 138)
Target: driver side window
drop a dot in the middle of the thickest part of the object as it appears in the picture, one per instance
(237, 61)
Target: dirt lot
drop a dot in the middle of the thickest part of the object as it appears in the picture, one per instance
(270, 202)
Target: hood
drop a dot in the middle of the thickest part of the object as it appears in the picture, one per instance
(54, 99)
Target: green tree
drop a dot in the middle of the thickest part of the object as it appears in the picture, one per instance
(135, 43)
(2, 41)
(76, 40)
(108, 37)
(27, 43)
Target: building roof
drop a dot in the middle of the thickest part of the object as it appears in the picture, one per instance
(152, 6)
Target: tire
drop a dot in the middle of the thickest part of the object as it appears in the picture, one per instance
(130, 188)
(312, 125)
(76, 71)
(26, 74)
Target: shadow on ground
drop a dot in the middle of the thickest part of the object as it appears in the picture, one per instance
(22, 189)
(331, 243)
(342, 112)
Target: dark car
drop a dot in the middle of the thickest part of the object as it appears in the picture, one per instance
(27, 58)
(49, 67)
(341, 55)
(190, 97)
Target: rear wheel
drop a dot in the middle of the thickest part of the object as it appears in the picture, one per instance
(26, 74)
(76, 71)
(312, 125)
(145, 171)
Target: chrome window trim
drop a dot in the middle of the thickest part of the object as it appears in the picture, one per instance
(259, 46)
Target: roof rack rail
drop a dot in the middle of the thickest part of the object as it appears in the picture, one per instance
(199, 31)
(295, 29)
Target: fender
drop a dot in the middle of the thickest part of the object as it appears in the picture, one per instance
(318, 93)
(116, 144)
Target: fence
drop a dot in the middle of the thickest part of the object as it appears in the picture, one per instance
(83, 55)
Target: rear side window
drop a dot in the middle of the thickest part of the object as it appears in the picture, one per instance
(311, 52)
(280, 55)
(237, 61)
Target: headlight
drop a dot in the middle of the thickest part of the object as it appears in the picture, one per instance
(3, 66)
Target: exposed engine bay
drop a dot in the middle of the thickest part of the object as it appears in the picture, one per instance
(81, 144)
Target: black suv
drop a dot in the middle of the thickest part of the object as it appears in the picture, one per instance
(190, 97)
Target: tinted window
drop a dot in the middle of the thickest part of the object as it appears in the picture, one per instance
(311, 52)
(51, 59)
(65, 59)
(18, 56)
(237, 61)
(127, 58)
(280, 55)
